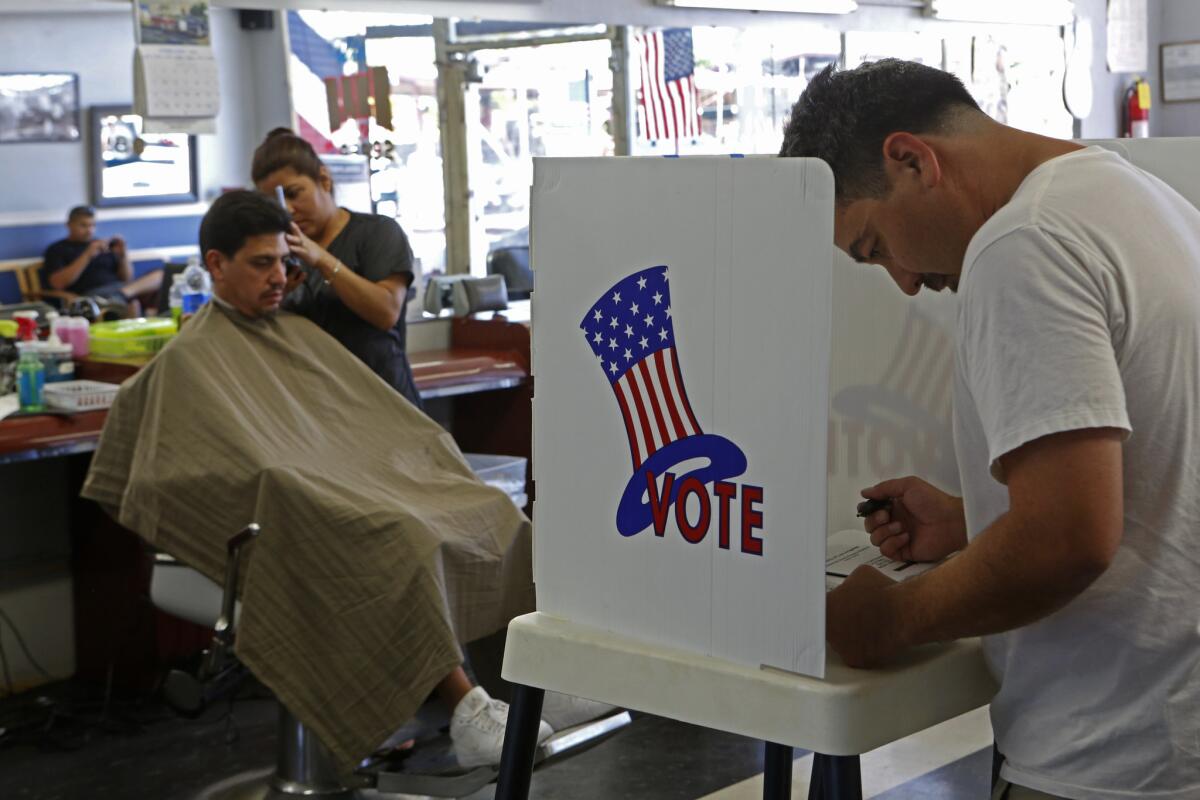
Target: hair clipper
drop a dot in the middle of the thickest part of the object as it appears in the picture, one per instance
(290, 262)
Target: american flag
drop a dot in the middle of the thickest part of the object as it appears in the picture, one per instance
(630, 330)
(667, 103)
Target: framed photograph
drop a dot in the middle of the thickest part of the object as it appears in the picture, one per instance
(1179, 63)
(39, 107)
(130, 167)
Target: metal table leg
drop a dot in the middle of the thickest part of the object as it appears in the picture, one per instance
(520, 743)
(835, 778)
(777, 772)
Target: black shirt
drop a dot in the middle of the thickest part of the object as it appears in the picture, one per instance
(375, 247)
(101, 275)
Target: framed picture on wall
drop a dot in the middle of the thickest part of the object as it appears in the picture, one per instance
(130, 167)
(1179, 65)
(39, 107)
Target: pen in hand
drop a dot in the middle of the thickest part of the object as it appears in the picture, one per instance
(868, 507)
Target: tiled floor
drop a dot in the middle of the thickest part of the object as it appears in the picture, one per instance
(72, 750)
(951, 761)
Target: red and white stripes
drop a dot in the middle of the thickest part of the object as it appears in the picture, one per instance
(666, 109)
(654, 405)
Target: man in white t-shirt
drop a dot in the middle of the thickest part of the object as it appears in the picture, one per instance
(1076, 426)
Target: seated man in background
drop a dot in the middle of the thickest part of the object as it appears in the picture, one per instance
(380, 550)
(100, 268)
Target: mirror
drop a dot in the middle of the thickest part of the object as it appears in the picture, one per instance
(132, 168)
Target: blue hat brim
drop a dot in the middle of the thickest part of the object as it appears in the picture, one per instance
(726, 460)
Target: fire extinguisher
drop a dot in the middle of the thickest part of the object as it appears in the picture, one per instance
(1136, 110)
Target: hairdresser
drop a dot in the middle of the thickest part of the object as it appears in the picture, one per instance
(357, 267)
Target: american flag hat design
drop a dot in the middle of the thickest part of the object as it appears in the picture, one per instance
(631, 332)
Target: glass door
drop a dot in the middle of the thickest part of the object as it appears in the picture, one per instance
(541, 100)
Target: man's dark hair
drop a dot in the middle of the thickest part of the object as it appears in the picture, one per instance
(80, 211)
(844, 116)
(236, 216)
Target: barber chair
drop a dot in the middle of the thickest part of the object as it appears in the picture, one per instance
(513, 263)
(303, 765)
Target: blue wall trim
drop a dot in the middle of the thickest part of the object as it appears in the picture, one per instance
(30, 241)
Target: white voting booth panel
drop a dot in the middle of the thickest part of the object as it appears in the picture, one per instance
(1175, 161)
(681, 355)
(890, 385)
(891, 370)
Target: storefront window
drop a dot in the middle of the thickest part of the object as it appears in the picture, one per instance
(545, 100)
(407, 172)
(405, 159)
(745, 83)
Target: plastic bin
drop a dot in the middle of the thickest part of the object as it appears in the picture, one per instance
(506, 473)
(127, 338)
(80, 395)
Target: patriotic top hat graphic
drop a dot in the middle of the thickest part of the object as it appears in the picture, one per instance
(631, 331)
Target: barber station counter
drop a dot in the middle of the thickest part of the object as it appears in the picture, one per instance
(59, 552)
(483, 356)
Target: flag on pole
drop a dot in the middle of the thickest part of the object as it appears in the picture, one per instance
(668, 106)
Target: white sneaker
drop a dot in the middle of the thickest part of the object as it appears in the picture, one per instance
(477, 729)
(563, 711)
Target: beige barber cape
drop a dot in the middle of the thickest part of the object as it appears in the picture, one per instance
(380, 551)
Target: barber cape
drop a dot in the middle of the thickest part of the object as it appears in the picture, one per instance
(380, 550)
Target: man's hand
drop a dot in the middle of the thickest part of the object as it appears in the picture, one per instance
(923, 524)
(1061, 532)
(116, 246)
(95, 248)
(861, 621)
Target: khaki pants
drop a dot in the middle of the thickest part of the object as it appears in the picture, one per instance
(1003, 790)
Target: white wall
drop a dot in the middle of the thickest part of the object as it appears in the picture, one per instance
(1179, 21)
(254, 99)
(1108, 88)
(98, 46)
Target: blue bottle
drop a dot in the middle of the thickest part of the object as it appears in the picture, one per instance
(31, 381)
(196, 285)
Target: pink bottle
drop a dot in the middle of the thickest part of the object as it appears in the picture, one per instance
(78, 332)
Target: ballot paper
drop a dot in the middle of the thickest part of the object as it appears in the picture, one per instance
(847, 550)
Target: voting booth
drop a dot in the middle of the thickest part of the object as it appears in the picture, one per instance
(681, 357)
(695, 353)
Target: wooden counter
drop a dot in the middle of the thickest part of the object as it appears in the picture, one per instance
(484, 356)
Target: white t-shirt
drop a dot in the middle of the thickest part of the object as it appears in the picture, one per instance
(1079, 307)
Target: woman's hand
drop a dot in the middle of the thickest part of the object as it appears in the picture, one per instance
(305, 248)
(295, 279)
(923, 524)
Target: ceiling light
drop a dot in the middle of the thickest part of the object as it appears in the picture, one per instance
(1022, 12)
(795, 6)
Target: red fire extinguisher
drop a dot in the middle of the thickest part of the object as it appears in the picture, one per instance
(1136, 110)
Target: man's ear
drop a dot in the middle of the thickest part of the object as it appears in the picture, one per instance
(907, 156)
(215, 263)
